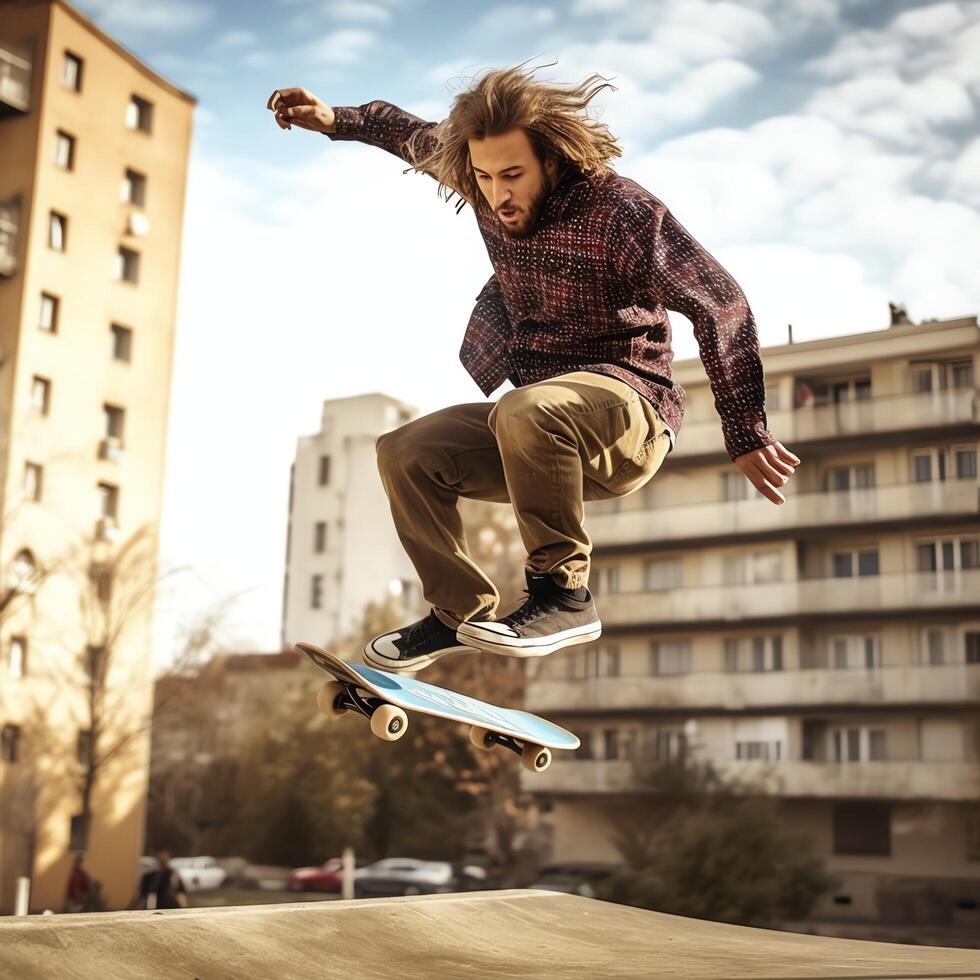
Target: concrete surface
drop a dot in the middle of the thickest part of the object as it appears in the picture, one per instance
(482, 935)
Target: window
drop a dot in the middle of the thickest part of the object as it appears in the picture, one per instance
(940, 375)
(83, 746)
(862, 828)
(100, 575)
(57, 231)
(601, 660)
(753, 653)
(78, 833)
(660, 574)
(10, 743)
(734, 486)
(971, 646)
(844, 563)
(858, 744)
(860, 476)
(316, 592)
(764, 751)
(9, 227)
(324, 474)
(40, 395)
(122, 342)
(320, 537)
(108, 500)
(64, 150)
(127, 265)
(48, 320)
(754, 569)
(966, 464)
(855, 652)
(604, 580)
(33, 480)
(584, 751)
(115, 418)
(670, 657)
(669, 745)
(71, 75)
(133, 188)
(610, 742)
(17, 657)
(139, 114)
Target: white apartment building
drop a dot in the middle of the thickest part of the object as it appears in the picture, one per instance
(828, 647)
(342, 550)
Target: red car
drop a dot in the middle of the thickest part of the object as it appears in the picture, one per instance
(325, 878)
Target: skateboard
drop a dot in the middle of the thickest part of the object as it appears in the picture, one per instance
(386, 698)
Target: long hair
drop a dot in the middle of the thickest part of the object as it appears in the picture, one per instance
(553, 116)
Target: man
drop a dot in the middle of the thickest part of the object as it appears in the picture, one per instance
(162, 889)
(586, 264)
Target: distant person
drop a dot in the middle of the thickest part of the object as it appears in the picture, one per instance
(79, 893)
(162, 888)
(586, 265)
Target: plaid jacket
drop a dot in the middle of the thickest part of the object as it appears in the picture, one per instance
(589, 290)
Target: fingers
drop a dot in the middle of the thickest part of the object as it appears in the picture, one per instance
(289, 97)
(765, 484)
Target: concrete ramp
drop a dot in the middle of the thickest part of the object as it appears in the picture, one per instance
(479, 936)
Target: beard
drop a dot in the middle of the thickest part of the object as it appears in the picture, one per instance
(532, 214)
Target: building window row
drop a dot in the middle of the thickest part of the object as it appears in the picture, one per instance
(139, 111)
(939, 646)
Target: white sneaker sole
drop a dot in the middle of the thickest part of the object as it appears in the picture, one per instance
(518, 646)
(374, 659)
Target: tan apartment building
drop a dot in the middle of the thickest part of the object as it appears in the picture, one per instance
(828, 647)
(93, 164)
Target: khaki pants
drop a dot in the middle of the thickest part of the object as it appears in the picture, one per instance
(544, 448)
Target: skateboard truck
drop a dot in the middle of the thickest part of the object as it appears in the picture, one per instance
(389, 722)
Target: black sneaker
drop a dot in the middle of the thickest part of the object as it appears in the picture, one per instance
(416, 646)
(549, 619)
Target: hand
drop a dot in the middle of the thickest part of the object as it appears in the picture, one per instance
(302, 108)
(768, 468)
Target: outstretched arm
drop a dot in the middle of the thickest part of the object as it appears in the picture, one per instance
(376, 123)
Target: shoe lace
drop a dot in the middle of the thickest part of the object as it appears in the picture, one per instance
(535, 603)
(422, 630)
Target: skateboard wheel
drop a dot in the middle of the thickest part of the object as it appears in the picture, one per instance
(536, 758)
(389, 722)
(480, 738)
(326, 698)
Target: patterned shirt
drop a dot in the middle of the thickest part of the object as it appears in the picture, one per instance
(589, 290)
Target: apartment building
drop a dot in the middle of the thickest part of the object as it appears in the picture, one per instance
(827, 648)
(94, 150)
(342, 551)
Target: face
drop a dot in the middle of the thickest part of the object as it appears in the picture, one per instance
(163, 857)
(512, 179)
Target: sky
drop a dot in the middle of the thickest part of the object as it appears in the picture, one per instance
(827, 152)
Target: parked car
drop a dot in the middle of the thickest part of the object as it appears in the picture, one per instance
(403, 876)
(574, 878)
(326, 877)
(198, 873)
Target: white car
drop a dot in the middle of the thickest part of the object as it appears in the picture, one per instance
(198, 873)
(403, 876)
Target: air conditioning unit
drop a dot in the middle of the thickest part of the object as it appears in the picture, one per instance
(137, 223)
(106, 529)
(111, 448)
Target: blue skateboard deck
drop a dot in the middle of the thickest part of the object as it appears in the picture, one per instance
(516, 730)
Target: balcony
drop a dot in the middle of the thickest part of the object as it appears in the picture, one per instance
(905, 412)
(704, 691)
(15, 83)
(895, 780)
(906, 593)
(949, 499)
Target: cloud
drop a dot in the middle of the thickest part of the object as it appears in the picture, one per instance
(339, 47)
(148, 16)
(232, 40)
(936, 21)
(354, 10)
